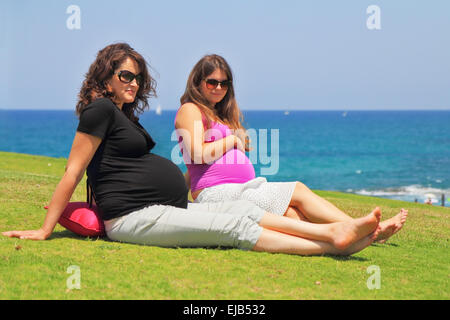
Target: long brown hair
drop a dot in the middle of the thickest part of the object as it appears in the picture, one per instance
(226, 110)
(102, 69)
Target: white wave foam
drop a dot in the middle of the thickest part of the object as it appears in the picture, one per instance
(409, 193)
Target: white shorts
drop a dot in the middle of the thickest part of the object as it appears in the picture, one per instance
(273, 197)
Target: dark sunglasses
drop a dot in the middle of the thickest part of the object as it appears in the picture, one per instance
(127, 76)
(213, 83)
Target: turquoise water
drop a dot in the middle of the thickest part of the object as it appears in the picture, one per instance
(394, 154)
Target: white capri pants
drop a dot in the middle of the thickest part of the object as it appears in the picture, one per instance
(223, 224)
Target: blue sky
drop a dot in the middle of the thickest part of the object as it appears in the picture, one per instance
(306, 55)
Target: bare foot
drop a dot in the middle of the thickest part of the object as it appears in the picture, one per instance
(359, 245)
(391, 226)
(346, 233)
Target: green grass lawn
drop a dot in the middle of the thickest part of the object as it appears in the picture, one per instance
(414, 264)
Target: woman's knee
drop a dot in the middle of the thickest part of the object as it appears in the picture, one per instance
(295, 214)
(301, 191)
(301, 186)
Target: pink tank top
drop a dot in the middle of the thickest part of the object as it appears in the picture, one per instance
(233, 167)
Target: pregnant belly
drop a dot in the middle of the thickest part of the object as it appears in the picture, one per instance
(232, 167)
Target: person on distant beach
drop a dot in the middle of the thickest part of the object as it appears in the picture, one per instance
(213, 143)
(143, 197)
(429, 201)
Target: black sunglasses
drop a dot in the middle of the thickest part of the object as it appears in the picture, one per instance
(127, 76)
(213, 83)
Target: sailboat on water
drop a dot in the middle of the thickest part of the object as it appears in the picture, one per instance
(158, 110)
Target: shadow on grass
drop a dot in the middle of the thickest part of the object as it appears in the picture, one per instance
(353, 258)
(347, 258)
(69, 234)
(381, 245)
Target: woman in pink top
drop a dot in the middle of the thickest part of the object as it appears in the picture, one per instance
(213, 142)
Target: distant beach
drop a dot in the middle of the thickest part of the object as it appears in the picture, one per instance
(403, 155)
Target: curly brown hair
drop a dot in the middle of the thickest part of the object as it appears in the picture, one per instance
(103, 68)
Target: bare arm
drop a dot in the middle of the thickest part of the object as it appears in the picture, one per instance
(190, 126)
(187, 178)
(83, 149)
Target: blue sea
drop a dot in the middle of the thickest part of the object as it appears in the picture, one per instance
(401, 155)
